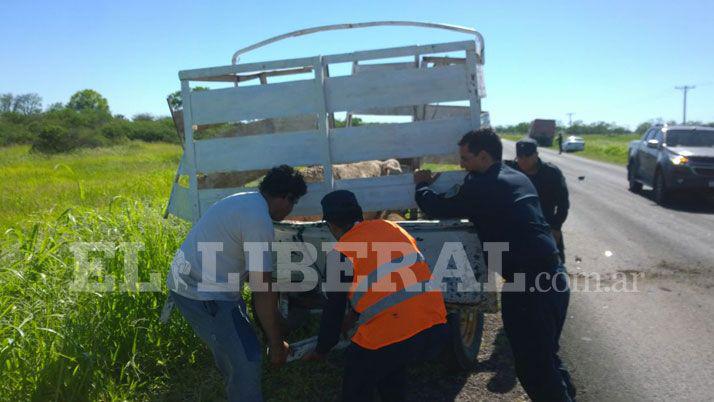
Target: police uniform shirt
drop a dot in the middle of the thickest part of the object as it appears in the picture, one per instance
(552, 191)
(503, 205)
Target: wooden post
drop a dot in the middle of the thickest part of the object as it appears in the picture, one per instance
(322, 123)
(190, 151)
(472, 84)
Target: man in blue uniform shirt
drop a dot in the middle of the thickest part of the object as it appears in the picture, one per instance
(550, 185)
(503, 206)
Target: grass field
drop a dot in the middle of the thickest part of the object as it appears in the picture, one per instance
(59, 344)
(606, 148)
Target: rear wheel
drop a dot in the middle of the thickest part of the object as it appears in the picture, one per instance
(466, 332)
(661, 193)
(634, 185)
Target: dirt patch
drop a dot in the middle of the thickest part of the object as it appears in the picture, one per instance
(678, 268)
(668, 271)
(689, 274)
(493, 378)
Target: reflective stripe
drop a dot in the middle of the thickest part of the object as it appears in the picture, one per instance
(393, 299)
(379, 273)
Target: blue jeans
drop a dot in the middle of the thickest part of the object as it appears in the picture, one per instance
(225, 328)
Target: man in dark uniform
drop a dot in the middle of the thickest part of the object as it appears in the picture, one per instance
(503, 206)
(550, 184)
(560, 143)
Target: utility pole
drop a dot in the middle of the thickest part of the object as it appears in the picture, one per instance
(685, 89)
(570, 118)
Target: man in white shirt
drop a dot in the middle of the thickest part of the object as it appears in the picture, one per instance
(208, 270)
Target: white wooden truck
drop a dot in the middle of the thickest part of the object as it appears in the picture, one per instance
(283, 112)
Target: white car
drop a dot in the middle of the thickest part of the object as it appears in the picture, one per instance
(574, 144)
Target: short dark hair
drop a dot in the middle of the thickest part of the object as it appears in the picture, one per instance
(483, 139)
(341, 208)
(344, 222)
(283, 181)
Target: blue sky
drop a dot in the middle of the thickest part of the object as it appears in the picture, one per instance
(607, 60)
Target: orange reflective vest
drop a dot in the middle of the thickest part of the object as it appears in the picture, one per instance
(390, 287)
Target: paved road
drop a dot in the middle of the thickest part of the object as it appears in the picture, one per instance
(655, 343)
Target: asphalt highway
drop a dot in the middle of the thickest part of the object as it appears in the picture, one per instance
(641, 319)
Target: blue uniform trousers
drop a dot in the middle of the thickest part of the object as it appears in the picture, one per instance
(533, 322)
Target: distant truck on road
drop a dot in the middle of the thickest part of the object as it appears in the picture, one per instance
(542, 131)
(672, 159)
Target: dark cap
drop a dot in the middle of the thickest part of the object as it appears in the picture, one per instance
(340, 205)
(526, 147)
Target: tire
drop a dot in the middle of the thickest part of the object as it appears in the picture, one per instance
(465, 333)
(661, 193)
(634, 185)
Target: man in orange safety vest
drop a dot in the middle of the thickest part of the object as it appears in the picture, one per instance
(399, 314)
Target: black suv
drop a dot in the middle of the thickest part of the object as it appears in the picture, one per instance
(672, 158)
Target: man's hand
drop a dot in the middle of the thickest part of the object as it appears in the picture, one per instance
(278, 353)
(557, 235)
(313, 356)
(425, 176)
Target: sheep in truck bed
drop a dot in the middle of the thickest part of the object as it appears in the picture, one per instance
(291, 120)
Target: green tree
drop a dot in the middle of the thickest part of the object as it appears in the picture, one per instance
(520, 128)
(143, 117)
(53, 138)
(642, 127)
(55, 106)
(176, 101)
(25, 104)
(6, 102)
(88, 99)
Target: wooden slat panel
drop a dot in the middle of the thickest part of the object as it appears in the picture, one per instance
(374, 194)
(259, 151)
(393, 192)
(400, 51)
(182, 169)
(423, 112)
(403, 140)
(396, 88)
(199, 73)
(180, 202)
(361, 68)
(308, 205)
(253, 102)
(202, 73)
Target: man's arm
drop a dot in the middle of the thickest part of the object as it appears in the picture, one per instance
(333, 315)
(257, 230)
(331, 322)
(266, 309)
(439, 206)
(562, 202)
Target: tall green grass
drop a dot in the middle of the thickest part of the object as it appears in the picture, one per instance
(34, 184)
(61, 345)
